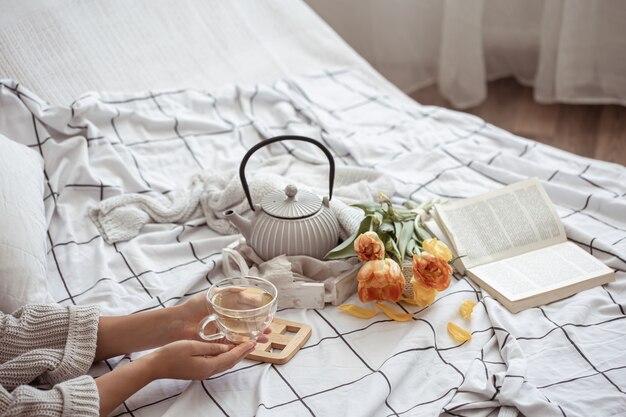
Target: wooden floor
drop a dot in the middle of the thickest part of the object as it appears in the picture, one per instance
(595, 131)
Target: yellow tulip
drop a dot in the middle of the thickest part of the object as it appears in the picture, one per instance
(437, 248)
(466, 309)
(394, 314)
(459, 334)
(358, 311)
(422, 295)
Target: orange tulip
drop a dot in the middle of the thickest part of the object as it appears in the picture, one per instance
(369, 247)
(432, 271)
(380, 280)
(422, 295)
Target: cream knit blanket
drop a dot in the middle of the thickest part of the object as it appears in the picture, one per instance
(209, 194)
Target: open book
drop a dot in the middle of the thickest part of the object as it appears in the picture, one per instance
(512, 243)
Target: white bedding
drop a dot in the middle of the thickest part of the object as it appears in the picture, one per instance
(62, 48)
(563, 359)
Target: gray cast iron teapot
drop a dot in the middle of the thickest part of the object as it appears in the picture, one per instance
(289, 221)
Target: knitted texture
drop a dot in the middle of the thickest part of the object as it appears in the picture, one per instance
(209, 194)
(56, 343)
(76, 397)
(49, 344)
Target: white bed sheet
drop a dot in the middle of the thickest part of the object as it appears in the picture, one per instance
(63, 48)
(563, 359)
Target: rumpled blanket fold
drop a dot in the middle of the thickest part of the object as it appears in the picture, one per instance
(283, 271)
(209, 194)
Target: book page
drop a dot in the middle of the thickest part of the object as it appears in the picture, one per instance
(540, 271)
(503, 223)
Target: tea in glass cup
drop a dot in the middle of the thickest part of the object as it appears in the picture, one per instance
(242, 308)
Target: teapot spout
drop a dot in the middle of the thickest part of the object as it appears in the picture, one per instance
(242, 224)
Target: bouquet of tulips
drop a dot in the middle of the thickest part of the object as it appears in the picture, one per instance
(401, 260)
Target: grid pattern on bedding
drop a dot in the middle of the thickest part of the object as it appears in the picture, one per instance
(153, 142)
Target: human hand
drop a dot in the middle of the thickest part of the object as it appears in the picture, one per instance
(193, 360)
(186, 359)
(190, 314)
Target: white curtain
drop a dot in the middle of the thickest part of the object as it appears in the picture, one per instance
(571, 51)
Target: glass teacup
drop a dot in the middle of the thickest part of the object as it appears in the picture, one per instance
(242, 308)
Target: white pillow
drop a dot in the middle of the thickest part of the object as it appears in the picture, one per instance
(22, 227)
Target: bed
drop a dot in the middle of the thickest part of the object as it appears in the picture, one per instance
(562, 359)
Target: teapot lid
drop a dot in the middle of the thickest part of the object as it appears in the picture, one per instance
(291, 204)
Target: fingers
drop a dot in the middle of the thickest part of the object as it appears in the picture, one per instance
(208, 349)
(241, 350)
(234, 355)
(263, 338)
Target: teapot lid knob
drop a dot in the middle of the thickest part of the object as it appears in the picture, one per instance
(285, 204)
(291, 190)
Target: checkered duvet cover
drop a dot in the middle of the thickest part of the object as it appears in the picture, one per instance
(563, 359)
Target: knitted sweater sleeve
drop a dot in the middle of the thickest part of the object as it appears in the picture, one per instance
(48, 342)
(76, 397)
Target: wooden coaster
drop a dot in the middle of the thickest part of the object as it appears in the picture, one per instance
(286, 339)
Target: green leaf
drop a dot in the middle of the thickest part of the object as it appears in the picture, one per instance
(397, 227)
(423, 234)
(419, 230)
(403, 212)
(427, 205)
(385, 227)
(410, 247)
(390, 210)
(346, 248)
(388, 241)
(396, 252)
(410, 204)
(367, 207)
(404, 238)
(406, 217)
(378, 219)
(366, 224)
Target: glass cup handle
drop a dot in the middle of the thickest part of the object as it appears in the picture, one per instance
(210, 337)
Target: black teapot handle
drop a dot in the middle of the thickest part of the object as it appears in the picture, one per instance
(244, 161)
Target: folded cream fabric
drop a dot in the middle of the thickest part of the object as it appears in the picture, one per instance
(296, 268)
(283, 271)
(209, 194)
